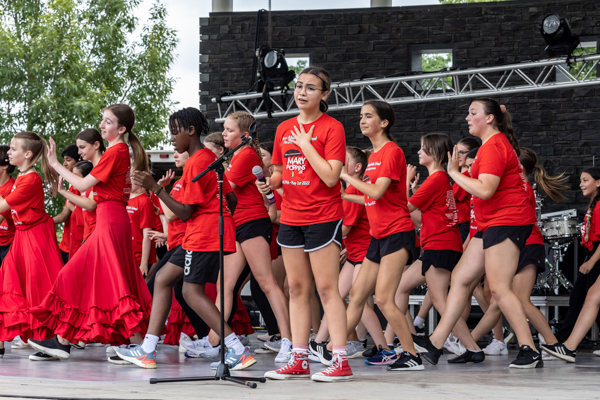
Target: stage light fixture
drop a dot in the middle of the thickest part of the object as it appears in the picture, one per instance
(273, 68)
(556, 31)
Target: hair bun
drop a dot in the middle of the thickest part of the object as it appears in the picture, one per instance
(503, 108)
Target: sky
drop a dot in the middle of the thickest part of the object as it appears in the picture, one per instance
(184, 18)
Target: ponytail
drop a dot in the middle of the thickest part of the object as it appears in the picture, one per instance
(140, 159)
(553, 186)
(502, 120)
(38, 146)
(126, 118)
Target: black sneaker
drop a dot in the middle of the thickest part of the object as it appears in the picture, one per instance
(78, 346)
(320, 350)
(527, 358)
(52, 347)
(468, 356)
(368, 353)
(118, 360)
(559, 350)
(407, 362)
(42, 357)
(429, 352)
(420, 330)
(364, 343)
(2, 352)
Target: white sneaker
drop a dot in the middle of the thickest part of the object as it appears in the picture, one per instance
(496, 348)
(453, 345)
(200, 348)
(187, 339)
(244, 339)
(113, 349)
(285, 351)
(264, 337)
(17, 343)
(398, 349)
(596, 353)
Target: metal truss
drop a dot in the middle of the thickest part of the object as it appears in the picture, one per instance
(434, 86)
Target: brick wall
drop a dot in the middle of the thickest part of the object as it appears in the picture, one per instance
(562, 126)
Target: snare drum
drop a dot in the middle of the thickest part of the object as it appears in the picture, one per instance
(565, 226)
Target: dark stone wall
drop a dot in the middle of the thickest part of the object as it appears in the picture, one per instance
(562, 126)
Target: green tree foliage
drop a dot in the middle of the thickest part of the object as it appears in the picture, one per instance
(434, 63)
(576, 69)
(62, 61)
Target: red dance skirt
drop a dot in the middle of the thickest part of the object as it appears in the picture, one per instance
(241, 323)
(28, 272)
(100, 294)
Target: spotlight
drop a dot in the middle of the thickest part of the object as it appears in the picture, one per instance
(273, 68)
(556, 31)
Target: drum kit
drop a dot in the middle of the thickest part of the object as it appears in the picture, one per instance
(559, 229)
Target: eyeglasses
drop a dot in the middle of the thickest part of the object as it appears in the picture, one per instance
(309, 89)
(462, 153)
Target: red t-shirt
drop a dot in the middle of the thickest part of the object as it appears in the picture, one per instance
(89, 218)
(509, 205)
(202, 230)
(176, 230)
(250, 203)
(463, 201)
(7, 227)
(473, 221)
(439, 215)
(594, 232)
(158, 211)
(65, 243)
(389, 214)
(77, 228)
(113, 172)
(307, 199)
(358, 240)
(26, 200)
(141, 214)
(536, 235)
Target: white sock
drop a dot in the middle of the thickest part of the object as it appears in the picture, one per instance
(149, 343)
(419, 321)
(232, 342)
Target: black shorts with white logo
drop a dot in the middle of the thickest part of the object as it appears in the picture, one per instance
(251, 229)
(498, 234)
(379, 248)
(198, 267)
(444, 259)
(533, 254)
(310, 237)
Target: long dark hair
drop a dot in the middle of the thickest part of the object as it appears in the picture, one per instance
(437, 145)
(92, 136)
(502, 120)
(553, 186)
(469, 142)
(126, 118)
(385, 112)
(4, 159)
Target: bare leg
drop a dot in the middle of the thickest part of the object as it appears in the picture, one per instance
(194, 295)
(315, 309)
(586, 318)
(300, 282)
(345, 283)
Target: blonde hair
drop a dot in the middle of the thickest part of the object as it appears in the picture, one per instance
(243, 121)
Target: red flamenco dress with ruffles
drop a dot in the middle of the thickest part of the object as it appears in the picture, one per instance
(100, 294)
(32, 264)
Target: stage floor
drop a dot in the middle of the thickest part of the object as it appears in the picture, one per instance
(88, 375)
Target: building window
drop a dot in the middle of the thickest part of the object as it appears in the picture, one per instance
(432, 59)
(297, 62)
(588, 46)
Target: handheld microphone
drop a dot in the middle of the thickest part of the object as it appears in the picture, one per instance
(258, 172)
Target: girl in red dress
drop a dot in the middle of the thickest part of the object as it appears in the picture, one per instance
(392, 245)
(100, 295)
(7, 226)
(254, 229)
(33, 261)
(313, 148)
(504, 221)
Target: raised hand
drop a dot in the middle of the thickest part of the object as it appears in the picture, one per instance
(166, 179)
(453, 164)
(143, 179)
(300, 137)
(52, 159)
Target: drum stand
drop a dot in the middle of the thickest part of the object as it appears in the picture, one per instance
(555, 277)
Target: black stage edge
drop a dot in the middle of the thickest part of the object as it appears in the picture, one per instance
(223, 370)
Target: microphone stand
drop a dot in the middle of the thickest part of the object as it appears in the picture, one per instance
(223, 369)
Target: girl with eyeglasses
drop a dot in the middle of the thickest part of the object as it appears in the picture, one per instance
(307, 159)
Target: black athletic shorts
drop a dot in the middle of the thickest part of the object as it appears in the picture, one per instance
(198, 267)
(64, 255)
(379, 248)
(498, 234)
(310, 237)
(464, 229)
(251, 229)
(4, 251)
(533, 254)
(354, 262)
(444, 259)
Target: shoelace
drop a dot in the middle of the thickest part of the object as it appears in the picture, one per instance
(290, 363)
(336, 364)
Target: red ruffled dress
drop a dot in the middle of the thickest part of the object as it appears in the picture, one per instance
(100, 295)
(32, 264)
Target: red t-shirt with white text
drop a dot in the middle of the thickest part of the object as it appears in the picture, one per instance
(26, 200)
(509, 205)
(389, 214)
(358, 240)
(463, 201)
(202, 230)
(250, 203)
(176, 230)
(113, 172)
(439, 215)
(141, 214)
(7, 227)
(307, 199)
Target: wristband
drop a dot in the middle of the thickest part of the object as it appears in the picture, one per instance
(157, 191)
